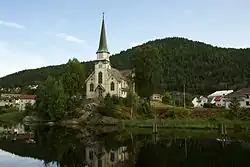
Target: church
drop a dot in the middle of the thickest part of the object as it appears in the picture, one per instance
(105, 79)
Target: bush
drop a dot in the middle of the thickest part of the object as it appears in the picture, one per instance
(175, 112)
(208, 105)
(108, 107)
(145, 110)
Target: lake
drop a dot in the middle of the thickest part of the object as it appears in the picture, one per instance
(45, 146)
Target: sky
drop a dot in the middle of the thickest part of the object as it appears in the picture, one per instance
(8, 160)
(36, 33)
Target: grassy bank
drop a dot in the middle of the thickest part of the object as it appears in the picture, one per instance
(11, 117)
(195, 123)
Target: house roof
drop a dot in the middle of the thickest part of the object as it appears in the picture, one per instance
(117, 74)
(27, 97)
(220, 93)
(100, 86)
(239, 93)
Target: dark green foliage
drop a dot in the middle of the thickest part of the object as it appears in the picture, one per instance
(167, 98)
(51, 100)
(74, 77)
(148, 70)
(108, 107)
(234, 111)
(144, 109)
(208, 105)
(29, 109)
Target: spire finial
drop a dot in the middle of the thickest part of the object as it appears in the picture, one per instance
(102, 15)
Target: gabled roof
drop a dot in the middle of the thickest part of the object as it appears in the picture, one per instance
(90, 76)
(100, 86)
(116, 74)
(27, 97)
(220, 93)
(239, 93)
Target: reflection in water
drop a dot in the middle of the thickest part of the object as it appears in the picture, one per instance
(64, 147)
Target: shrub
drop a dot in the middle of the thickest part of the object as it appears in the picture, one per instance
(145, 110)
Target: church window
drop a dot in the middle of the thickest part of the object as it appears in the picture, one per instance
(112, 86)
(100, 78)
(100, 65)
(91, 87)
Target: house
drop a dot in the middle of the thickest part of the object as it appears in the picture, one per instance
(218, 98)
(241, 95)
(156, 97)
(199, 102)
(106, 79)
(8, 99)
(24, 99)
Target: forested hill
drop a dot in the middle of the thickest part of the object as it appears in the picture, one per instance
(202, 67)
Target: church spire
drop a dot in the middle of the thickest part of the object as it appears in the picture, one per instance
(103, 48)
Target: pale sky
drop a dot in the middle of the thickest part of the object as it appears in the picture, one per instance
(35, 33)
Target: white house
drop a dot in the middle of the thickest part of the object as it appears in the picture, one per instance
(24, 99)
(243, 97)
(199, 102)
(105, 79)
(156, 97)
(219, 97)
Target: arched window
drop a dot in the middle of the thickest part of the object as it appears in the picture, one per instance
(112, 86)
(91, 87)
(100, 78)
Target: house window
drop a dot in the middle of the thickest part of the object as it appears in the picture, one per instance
(91, 87)
(112, 86)
(112, 156)
(91, 155)
(247, 96)
(247, 103)
(100, 78)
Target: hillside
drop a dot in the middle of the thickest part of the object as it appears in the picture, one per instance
(202, 67)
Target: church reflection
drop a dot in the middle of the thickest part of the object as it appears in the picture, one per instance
(98, 156)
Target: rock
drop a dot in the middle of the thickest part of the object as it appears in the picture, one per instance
(70, 122)
(29, 119)
(91, 107)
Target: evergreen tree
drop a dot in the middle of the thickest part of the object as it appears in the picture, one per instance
(148, 71)
(51, 100)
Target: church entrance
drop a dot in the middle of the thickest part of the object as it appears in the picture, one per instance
(99, 91)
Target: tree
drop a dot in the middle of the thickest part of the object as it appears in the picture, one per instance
(73, 82)
(51, 100)
(167, 98)
(148, 71)
(74, 78)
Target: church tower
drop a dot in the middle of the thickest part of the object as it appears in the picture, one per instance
(102, 65)
(102, 52)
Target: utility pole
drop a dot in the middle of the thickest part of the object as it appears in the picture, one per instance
(184, 98)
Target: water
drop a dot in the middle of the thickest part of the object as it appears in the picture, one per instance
(108, 147)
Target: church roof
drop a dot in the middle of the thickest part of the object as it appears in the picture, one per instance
(103, 47)
(116, 74)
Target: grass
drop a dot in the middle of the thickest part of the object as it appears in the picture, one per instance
(188, 123)
(11, 117)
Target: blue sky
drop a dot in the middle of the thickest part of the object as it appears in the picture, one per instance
(35, 33)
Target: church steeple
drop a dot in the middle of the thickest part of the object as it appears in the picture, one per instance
(103, 48)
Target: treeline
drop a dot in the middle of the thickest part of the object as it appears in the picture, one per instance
(200, 67)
